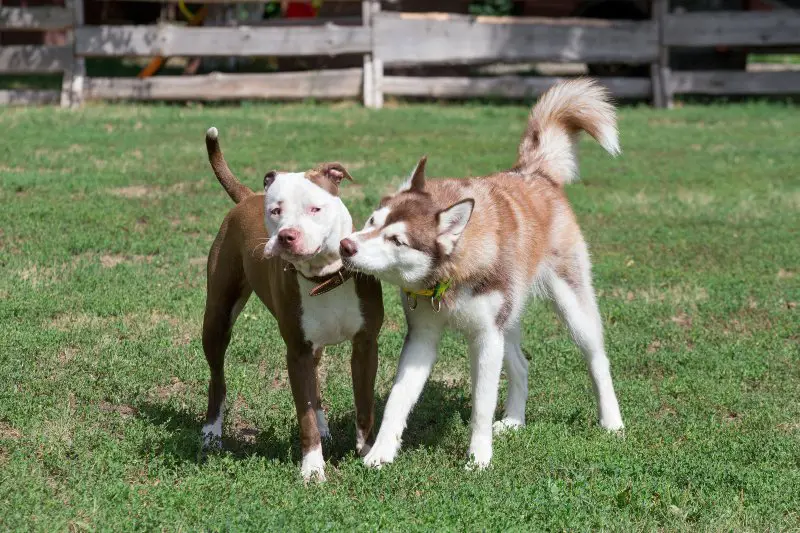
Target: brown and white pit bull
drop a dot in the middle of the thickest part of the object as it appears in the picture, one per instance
(284, 246)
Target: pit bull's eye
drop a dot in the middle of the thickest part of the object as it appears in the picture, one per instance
(275, 212)
(394, 240)
(314, 210)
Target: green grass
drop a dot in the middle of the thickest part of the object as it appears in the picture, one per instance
(108, 213)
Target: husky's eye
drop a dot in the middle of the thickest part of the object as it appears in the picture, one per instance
(371, 221)
(275, 212)
(394, 240)
(314, 209)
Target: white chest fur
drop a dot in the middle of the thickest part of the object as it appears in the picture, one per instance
(332, 317)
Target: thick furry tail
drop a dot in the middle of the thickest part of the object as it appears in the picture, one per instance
(548, 145)
(232, 186)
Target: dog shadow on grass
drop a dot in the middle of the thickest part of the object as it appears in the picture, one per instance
(442, 412)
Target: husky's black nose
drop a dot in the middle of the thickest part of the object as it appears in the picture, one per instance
(348, 248)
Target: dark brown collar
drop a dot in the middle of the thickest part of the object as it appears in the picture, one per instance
(324, 283)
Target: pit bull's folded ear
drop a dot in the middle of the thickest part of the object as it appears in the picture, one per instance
(328, 176)
(335, 172)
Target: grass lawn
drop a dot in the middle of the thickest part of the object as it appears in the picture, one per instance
(107, 216)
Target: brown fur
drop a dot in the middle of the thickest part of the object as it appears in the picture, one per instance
(237, 268)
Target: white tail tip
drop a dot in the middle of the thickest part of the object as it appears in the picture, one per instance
(212, 133)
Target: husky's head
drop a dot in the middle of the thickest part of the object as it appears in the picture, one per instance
(304, 214)
(408, 238)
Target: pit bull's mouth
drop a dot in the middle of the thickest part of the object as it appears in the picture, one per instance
(292, 257)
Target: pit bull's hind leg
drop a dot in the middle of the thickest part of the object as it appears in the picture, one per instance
(228, 291)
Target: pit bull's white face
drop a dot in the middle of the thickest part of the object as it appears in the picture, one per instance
(303, 219)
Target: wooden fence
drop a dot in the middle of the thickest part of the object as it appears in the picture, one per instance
(387, 40)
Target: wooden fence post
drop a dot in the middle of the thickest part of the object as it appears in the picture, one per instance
(373, 66)
(659, 71)
(74, 76)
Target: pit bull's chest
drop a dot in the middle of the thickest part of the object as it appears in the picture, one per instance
(332, 317)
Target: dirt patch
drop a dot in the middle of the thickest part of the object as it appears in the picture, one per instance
(175, 387)
(695, 198)
(789, 427)
(8, 432)
(39, 275)
(124, 410)
(665, 411)
(72, 321)
(731, 417)
(678, 294)
(683, 320)
(654, 346)
(112, 260)
(154, 191)
(132, 191)
(244, 430)
(67, 354)
(198, 261)
(188, 219)
(11, 170)
(785, 274)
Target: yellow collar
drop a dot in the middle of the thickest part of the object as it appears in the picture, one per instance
(435, 294)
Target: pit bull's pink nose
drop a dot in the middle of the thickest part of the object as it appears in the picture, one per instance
(288, 237)
(348, 248)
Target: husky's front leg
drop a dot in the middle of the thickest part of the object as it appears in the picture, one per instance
(416, 360)
(486, 360)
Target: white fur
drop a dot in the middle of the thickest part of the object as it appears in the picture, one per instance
(400, 265)
(578, 310)
(332, 317)
(490, 348)
(320, 232)
(212, 433)
(212, 133)
(452, 222)
(580, 103)
(313, 465)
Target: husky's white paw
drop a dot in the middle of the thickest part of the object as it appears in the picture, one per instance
(612, 424)
(380, 455)
(480, 453)
(506, 424)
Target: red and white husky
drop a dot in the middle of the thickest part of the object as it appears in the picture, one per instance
(470, 253)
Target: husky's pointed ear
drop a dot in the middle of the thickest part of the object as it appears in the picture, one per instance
(417, 180)
(451, 223)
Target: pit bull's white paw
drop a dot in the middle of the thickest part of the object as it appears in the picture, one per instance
(322, 425)
(381, 454)
(313, 466)
(506, 424)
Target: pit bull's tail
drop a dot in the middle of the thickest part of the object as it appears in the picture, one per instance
(232, 186)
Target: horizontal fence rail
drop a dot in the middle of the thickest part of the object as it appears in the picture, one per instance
(733, 29)
(405, 39)
(501, 86)
(321, 84)
(35, 18)
(171, 40)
